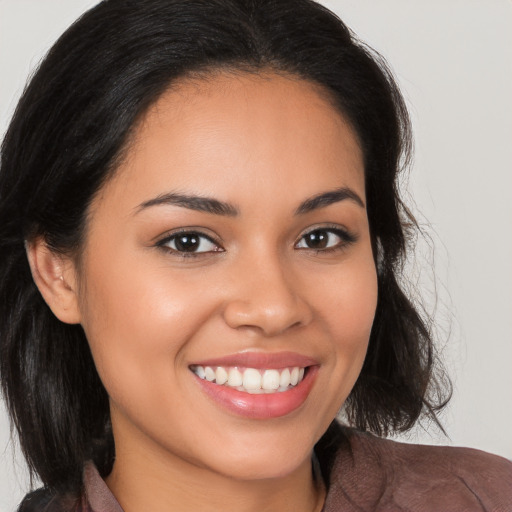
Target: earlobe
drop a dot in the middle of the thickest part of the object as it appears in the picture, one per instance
(55, 276)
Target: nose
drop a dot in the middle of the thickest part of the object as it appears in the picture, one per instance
(265, 296)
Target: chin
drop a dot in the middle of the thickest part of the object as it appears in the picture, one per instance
(259, 468)
(264, 459)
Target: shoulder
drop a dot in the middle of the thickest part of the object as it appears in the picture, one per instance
(96, 496)
(44, 500)
(387, 475)
(429, 459)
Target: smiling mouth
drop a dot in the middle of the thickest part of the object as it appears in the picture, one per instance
(252, 380)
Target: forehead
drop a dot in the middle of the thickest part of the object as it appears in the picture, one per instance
(229, 135)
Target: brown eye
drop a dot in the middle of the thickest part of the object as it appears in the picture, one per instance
(325, 239)
(190, 242)
(317, 239)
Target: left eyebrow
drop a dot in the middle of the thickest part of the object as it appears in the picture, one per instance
(328, 198)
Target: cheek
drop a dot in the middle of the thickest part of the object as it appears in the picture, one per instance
(138, 321)
(358, 313)
(348, 302)
(348, 310)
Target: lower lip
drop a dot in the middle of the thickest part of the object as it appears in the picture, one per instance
(261, 406)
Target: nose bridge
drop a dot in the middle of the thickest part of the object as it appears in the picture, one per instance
(264, 295)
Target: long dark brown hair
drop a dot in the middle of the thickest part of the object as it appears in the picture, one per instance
(69, 130)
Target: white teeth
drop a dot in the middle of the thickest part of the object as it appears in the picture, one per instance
(294, 376)
(199, 370)
(221, 376)
(209, 374)
(252, 380)
(234, 378)
(255, 391)
(270, 380)
(284, 381)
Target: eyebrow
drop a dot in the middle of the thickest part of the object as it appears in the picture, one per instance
(192, 202)
(328, 198)
(216, 207)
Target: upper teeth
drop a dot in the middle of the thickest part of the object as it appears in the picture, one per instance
(252, 380)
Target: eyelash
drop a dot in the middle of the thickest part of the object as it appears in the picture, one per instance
(346, 238)
(184, 254)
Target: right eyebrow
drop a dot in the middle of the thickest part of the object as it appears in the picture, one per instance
(192, 202)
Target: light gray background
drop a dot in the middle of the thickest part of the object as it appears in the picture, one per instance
(453, 59)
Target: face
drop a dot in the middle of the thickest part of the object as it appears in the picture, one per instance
(228, 285)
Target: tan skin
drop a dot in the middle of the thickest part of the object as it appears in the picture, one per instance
(263, 144)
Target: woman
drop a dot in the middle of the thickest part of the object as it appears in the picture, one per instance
(200, 239)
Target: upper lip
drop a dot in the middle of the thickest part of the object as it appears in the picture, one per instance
(260, 360)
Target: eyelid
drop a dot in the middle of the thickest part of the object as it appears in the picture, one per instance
(200, 232)
(348, 237)
(326, 227)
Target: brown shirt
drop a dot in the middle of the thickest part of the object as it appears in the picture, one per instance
(370, 474)
(373, 474)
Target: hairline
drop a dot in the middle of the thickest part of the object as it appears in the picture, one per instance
(200, 76)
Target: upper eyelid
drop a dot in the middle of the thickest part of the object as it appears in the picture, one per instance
(161, 239)
(326, 227)
(165, 241)
(348, 237)
(217, 240)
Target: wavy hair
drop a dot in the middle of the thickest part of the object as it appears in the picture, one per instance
(71, 127)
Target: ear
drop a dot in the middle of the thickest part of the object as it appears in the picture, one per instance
(55, 276)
